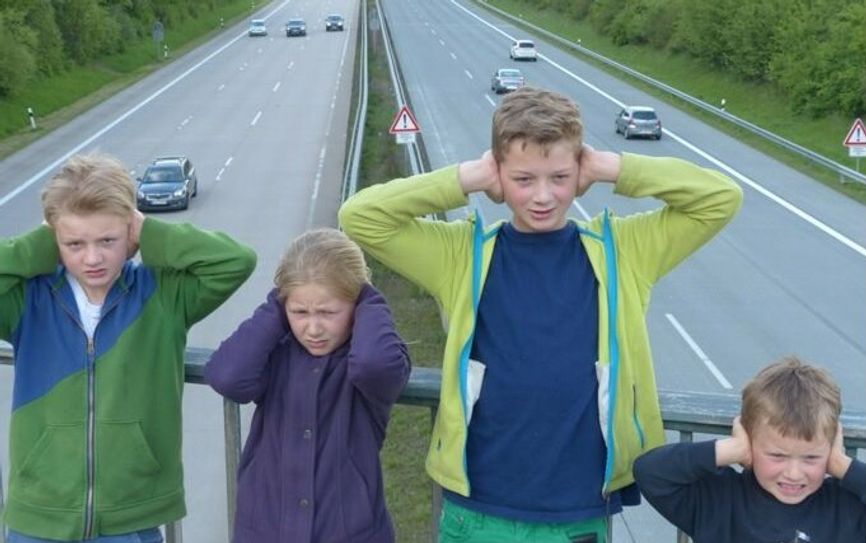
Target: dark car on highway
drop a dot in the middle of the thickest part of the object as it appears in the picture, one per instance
(296, 27)
(333, 22)
(167, 183)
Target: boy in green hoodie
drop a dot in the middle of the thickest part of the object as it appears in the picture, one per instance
(99, 340)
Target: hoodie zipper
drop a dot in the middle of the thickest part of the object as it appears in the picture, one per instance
(90, 429)
(91, 434)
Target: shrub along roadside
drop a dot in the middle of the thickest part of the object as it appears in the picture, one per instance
(66, 93)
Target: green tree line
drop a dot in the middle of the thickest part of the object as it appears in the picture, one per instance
(43, 38)
(814, 51)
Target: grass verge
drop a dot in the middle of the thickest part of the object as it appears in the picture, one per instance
(407, 487)
(759, 104)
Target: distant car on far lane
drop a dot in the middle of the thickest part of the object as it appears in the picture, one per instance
(258, 28)
(334, 21)
(296, 27)
(507, 80)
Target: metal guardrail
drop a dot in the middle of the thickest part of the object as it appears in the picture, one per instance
(688, 413)
(843, 171)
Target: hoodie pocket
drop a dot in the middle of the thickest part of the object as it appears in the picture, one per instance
(126, 468)
(53, 472)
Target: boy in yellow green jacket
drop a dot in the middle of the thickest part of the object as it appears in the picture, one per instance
(548, 391)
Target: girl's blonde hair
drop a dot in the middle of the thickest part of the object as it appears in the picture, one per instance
(87, 184)
(326, 257)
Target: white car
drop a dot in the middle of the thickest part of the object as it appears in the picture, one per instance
(523, 50)
(258, 28)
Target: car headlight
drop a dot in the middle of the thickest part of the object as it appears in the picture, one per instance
(180, 193)
(141, 195)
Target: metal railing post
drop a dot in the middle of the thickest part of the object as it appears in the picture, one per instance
(436, 498)
(232, 428)
(174, 532)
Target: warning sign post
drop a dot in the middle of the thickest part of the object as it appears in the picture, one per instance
(855, 141)
(404, 126)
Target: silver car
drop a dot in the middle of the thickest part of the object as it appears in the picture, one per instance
(258, 28)
(506, 80)
(638, 121)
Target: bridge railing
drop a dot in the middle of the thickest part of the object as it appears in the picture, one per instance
(687, 413)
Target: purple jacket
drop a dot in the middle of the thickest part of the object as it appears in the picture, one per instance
(310, 469)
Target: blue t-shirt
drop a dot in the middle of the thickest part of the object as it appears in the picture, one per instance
(535, 451)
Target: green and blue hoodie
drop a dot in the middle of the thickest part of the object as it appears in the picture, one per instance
(95, 436)
(628, 255)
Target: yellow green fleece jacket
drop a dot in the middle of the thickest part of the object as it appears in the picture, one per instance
(628, 255)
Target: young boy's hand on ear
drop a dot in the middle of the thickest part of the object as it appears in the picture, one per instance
(596, 166)
(736, 449)
(838, 462)
(481, 174)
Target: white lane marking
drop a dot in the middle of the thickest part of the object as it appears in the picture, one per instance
(441, 42)
(838, 236)
(489, 99)
(698, 351)
(469, 75)
(221, 87)
(291, 64)
(220, 174)
(256, 118)
(229, 161)
(99, 133)
(453, 56)
(277, 86)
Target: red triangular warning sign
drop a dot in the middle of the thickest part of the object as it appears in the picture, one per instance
(404, 122)
(857, 135)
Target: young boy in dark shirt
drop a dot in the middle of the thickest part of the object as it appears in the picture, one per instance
(788, 438)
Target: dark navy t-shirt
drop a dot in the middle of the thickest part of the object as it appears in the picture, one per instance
(535, 452)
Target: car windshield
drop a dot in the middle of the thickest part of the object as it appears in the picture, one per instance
(258, 24)
(335, 18)
(509, 73)
(296, 22)
(645, 115)
(163, 174)
(526, 45)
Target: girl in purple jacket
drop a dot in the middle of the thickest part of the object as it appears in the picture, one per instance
(323, 363)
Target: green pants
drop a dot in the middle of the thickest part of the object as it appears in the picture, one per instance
(460, 525)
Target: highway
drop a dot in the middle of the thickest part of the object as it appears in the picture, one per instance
(265, 120)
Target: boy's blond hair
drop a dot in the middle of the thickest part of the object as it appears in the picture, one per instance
(795, 399)
(87, 184)
(326, 257)
(536, 116)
